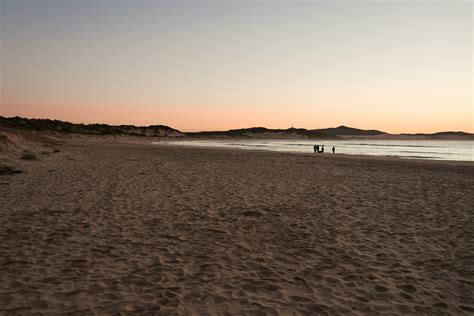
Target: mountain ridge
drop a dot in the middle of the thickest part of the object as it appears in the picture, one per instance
(263, 132)
(343, 130)
(339, 132)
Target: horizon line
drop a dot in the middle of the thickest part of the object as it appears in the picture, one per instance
(229, 129)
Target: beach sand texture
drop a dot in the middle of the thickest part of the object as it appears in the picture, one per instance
(107, 226)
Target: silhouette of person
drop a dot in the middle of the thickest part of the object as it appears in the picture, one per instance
(315, 149)
(333, 149)
(322, 149)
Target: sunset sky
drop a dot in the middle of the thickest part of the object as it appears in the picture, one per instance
(397, 66)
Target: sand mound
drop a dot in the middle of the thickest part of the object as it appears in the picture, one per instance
(18, 145)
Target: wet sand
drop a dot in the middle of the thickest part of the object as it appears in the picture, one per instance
(107, 226)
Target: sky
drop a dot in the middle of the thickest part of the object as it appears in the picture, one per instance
(397, 66)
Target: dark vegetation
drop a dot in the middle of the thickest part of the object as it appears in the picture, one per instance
(93, 129)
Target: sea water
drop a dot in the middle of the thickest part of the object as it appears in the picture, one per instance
(461, 150)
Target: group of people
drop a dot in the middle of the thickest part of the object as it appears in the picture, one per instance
(320, 149)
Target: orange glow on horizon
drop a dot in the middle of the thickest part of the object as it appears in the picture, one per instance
(394, 66)
(207, 118)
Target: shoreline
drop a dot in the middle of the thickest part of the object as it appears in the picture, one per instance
(323, 156)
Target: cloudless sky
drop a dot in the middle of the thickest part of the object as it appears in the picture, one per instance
(397, 66)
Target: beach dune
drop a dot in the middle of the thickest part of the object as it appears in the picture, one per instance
(113, 225)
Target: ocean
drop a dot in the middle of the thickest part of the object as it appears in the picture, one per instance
(460, 150)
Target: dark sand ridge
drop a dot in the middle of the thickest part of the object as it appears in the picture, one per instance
(106, 226)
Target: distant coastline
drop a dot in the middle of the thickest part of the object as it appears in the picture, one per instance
(340, 132)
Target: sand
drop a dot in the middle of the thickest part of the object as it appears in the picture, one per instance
(107, 226)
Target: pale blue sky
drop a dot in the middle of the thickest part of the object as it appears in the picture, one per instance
(391, 65)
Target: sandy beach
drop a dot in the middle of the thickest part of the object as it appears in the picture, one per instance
(103, 226)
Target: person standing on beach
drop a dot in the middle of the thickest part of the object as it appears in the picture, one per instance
(315, 149)
(333, 150)
(322, 149)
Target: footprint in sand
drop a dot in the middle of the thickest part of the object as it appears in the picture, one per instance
(380, 288)
(407, 288)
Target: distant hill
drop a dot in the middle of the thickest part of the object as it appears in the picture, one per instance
(443, 135)
(452, 134)
(253, 132)
(349, 131)
(262, 132)
(92, 129)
